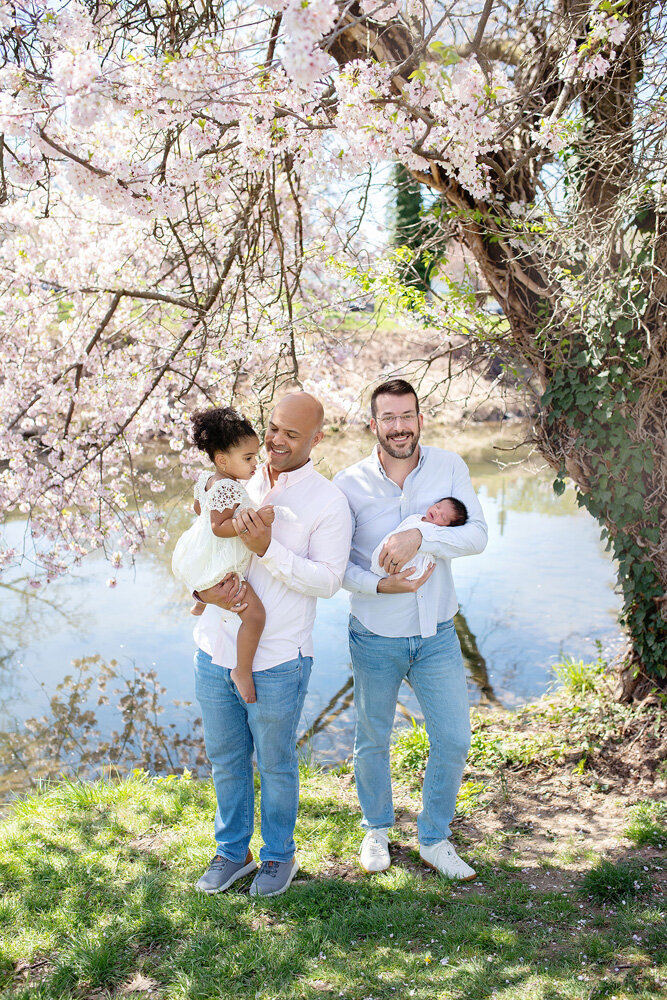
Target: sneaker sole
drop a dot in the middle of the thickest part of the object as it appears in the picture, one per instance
(237, 875)
(278, 892)
(454, 878)
(374, 871)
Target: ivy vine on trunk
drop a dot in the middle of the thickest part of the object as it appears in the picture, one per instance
(572, 243)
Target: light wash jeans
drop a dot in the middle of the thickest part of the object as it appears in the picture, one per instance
(434, 668)
(232, 729)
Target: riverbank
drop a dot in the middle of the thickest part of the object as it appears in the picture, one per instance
(561, 812)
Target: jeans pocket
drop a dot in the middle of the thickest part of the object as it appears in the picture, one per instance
(356, 628)
(282, 670)
(210, 678)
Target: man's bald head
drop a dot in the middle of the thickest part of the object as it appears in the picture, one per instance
(294, 428)
(303, 407)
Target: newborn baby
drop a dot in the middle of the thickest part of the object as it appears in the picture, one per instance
(447, 513)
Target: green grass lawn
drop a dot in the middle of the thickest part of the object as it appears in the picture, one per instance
(560, 812)
(97, 901)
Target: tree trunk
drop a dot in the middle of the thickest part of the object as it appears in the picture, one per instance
(588, 322)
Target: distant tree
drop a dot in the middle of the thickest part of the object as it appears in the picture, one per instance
(409, 229)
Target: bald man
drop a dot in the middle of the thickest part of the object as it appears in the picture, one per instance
(299, 558)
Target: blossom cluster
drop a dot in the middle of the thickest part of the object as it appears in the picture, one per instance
(593, 58)
(306, 22)
(163, 206)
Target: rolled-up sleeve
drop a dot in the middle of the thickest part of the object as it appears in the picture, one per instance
(468, 539)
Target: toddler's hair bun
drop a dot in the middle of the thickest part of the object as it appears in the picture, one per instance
(219, 429)
(228, 413)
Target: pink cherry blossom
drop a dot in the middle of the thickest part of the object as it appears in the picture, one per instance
(176, 229)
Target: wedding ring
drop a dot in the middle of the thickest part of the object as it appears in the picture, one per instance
(243, 531)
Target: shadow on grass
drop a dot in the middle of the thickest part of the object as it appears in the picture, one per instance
(108, 914)
(375, 937)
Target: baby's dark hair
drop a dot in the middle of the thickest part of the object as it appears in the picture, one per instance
(219, 429)
(461, 511)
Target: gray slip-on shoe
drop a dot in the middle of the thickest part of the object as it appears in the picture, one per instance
(274, 877)
(221, 873)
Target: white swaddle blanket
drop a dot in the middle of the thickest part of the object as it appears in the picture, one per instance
(421, 561)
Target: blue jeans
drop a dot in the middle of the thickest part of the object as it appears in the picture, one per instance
(434, 668)
(232, 730)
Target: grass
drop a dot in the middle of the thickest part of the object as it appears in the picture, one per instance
(609, 882)
(578, 676)
(648, 824)
(96, 897)
(97, 900)
(410, 750)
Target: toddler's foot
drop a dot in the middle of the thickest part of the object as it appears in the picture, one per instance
(245, 685)
(197, 608)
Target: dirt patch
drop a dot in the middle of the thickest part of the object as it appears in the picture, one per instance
(546, 833)
(548, 821)
(32, 971)
(140, 984)
(152, 841)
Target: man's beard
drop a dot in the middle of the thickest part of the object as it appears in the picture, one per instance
(406, 450)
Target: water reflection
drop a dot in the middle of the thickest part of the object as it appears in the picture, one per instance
(69, 737)
(341, 701)
(474, 661)
(543, 588)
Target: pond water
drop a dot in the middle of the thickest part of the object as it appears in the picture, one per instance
(543, 589)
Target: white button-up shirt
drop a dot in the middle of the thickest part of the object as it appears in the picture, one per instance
(378, 506)
(306, 559)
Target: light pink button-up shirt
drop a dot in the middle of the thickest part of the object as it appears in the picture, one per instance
(306, 559)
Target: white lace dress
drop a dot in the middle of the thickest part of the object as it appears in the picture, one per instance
(200, 558)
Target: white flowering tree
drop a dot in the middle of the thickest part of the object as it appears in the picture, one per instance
(168, 232)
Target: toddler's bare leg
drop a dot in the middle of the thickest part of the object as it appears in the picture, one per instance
(247, 639)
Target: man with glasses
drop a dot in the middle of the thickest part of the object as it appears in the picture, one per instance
(402, 628)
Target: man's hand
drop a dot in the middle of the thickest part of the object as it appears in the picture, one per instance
(398, 583)
(229, 593)
(252, 531)
(398, 550)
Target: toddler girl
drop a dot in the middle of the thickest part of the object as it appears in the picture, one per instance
(210, 549)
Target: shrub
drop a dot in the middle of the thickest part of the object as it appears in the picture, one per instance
(411, 748)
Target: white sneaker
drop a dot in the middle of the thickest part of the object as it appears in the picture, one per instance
(374, 855)
(445, 860)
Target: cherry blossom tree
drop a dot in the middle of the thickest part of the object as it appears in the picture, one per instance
(168, 234)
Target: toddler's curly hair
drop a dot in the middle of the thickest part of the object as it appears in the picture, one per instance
(219, 429)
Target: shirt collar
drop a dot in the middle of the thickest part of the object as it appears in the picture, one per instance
(289, 478)
(375, 458)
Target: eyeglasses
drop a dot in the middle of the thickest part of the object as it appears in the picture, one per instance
(391, 421)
